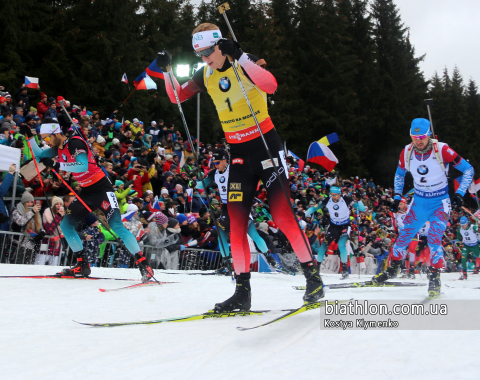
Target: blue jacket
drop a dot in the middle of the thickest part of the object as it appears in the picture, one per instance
(7, 181)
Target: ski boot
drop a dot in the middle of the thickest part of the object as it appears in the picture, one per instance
(476, 271)
(463, 277)
(145, 270)
(314, 289)
(344, 271)
(404, 273)
(81, 269)
(411, 273)
(241, 299)
(390, 272)
(434, 283)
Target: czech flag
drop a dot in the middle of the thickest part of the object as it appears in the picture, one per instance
(329, 139)
(156, 205)
(144, 82)
(124, 78)
(31, 82)
(189, 195)
(319, 154)
(301, 163)
(128, 216)
(154, 71)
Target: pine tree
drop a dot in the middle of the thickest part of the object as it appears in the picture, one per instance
(402, 87)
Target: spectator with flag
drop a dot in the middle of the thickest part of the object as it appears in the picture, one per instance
(23, 99)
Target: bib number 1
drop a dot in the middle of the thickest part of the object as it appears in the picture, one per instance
(229, 104)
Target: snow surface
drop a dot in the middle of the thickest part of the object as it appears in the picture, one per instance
(39, 340)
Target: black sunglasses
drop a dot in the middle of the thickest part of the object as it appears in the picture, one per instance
(205, 53)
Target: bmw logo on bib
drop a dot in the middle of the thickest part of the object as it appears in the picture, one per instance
(224, 84)
(336, 207)
(422, 170)
(222, 179)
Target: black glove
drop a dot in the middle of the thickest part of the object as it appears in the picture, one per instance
(457, 200)
(41, 234)
(26, 131)
(49, 163)
(395, 204)
(229, 47)
(164, 59)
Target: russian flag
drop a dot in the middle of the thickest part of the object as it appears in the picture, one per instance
(329, 139)
(124, 78)
(156, 206)
(31, 233)
(319, 154)
(144, 82)
(128, 216)
(154, 71)
(31, 82)
(189, 195)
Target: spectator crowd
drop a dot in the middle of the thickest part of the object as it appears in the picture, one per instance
(156, 181)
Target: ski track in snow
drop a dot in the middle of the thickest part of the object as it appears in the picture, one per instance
(39, 339)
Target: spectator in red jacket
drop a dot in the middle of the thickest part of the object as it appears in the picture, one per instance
(138, 179)
(42, 105)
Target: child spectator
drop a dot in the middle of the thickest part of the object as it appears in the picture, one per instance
(52, 218)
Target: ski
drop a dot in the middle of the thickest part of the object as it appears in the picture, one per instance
(137, 286)
(430, 298)
(208, 315)
(291, 313)
(366, 284)
(72, 278)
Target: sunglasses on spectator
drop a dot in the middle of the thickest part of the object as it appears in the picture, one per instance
(205, 53)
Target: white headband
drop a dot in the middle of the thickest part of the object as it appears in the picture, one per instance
(50, 128)
(205, 39)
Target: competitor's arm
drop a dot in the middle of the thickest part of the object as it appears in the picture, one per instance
(451, 157)
(39, 153)
(188, 89)
(262, 78)
(400, 176)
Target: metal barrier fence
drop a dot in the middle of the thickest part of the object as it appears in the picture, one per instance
(14, 250)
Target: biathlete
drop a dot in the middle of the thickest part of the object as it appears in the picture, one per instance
(338, 230)
(428, 161)
(75, 156)
(467, 233)
(249, 159)
(219, 176)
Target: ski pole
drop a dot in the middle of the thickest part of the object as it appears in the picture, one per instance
(200, 174)
(119, 241)
(222, 9)
(428, 103)
(45, 194)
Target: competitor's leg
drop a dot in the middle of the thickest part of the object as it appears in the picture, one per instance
(252, 232)
(342, 247)
(465, 253)
(282, 214)
(223, 230)
(115, 222)
(242, 187)
(321, 252)
(414, 220)
(476, 254)
(438, 217)
(75, 213)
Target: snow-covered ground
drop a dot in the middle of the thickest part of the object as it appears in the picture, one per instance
(39, 340)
